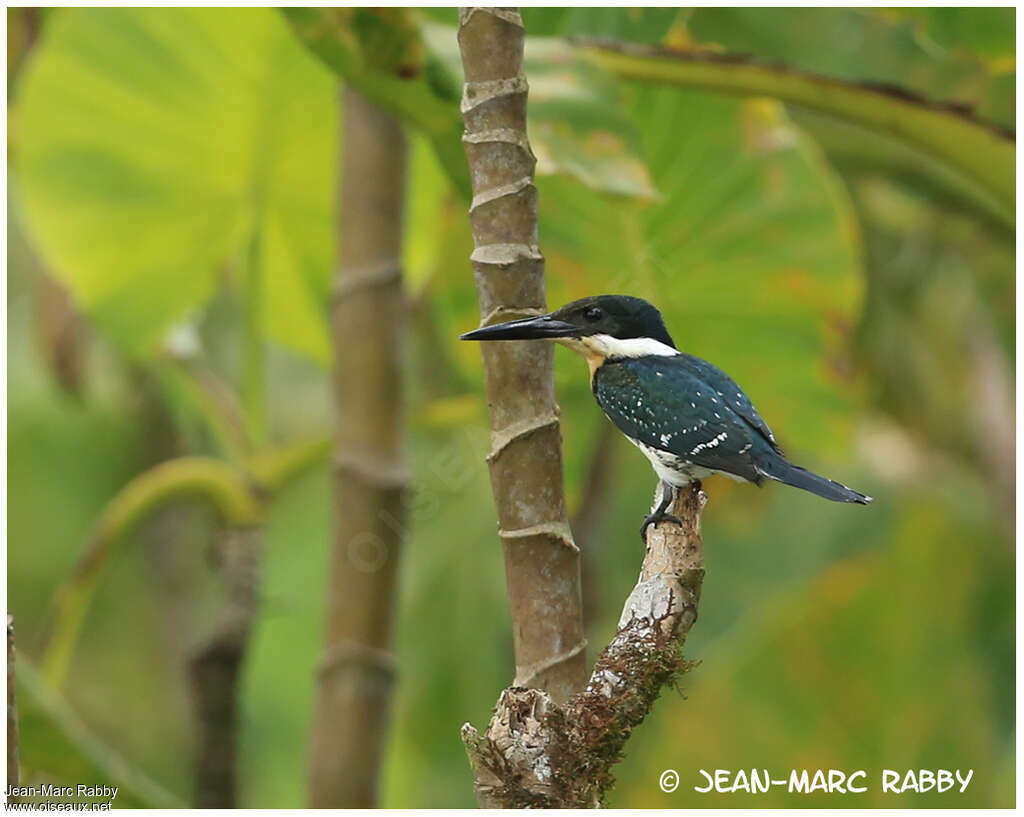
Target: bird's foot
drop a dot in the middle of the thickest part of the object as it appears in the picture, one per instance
(654, 518)
(659, 512)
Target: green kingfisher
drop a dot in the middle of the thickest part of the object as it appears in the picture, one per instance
(687, 416)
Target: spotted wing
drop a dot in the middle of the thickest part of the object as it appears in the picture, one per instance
(662, 403)
(726, 389)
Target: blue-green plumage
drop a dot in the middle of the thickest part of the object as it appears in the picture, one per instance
(687, 408)
(691, 419)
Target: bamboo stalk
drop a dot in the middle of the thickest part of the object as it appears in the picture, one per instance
(357, 669)
(546, 746)
(542, 562)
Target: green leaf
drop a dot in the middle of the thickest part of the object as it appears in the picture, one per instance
(577, 123)
(637, 24)
(751, 253)
(575, 127)
(853, 148)
(857, 45)
(379, 53)
(153, 144)
(983, 153)
(426, 192)
(988, 32)
(575, 120)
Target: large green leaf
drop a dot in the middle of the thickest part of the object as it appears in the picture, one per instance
(988, 33)
(985, 37)
(983, 153)
(637, 24)
(578, 125)
(752, 253)
(854, 148)
(858, 45)
(751, 250)
(575, 126)
(153, 147)
(380, 53)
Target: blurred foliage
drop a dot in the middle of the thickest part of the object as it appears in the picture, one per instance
(983, 154)
(168, 164)
(854, 44)
(380, 52)
(742, 175)
(62, 752)
(195, 132)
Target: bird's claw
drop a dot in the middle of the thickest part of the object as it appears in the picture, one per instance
(654, 519)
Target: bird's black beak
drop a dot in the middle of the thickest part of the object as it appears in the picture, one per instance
(544, 326)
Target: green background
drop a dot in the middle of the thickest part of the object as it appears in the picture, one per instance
(863, 301)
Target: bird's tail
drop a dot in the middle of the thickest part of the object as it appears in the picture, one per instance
(782, 471)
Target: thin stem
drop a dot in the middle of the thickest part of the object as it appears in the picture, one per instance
(228, 490)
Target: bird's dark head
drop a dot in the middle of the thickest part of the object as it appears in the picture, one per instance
(604, 319)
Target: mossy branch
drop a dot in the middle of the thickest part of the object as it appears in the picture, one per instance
(536, 753)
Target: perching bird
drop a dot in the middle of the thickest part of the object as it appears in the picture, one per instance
(689, 417)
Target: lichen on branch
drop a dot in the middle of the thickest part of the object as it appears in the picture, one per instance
(535, 753)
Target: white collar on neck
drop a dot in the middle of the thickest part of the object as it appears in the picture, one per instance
(612, 348)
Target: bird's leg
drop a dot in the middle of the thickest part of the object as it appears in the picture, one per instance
(668, 494)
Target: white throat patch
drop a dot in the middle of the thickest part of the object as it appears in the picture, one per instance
(612, 348)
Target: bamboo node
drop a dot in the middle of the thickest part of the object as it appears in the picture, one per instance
(372, 468)
(481, 91)
(504, 255)
(352, 653)
(557, 530)
(504, 135)
(502, 190)
(509, 312)
(508, 15)
(503, 438)
(369, 276)
(525, 675)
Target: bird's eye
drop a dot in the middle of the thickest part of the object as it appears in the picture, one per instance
(593, 314)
